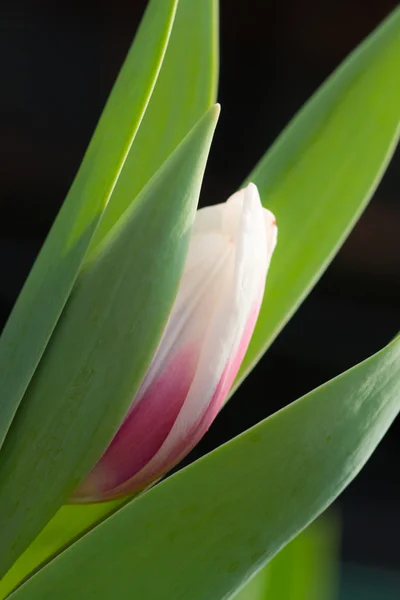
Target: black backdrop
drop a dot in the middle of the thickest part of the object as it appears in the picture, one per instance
(58, 63)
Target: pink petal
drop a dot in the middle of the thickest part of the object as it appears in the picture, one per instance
(203, 345)
(143, 432)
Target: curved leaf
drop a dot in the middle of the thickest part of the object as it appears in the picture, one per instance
(321, 172)
(92, 368)
(207, 529)
(185, 89)
(68, 524)
(50, 281)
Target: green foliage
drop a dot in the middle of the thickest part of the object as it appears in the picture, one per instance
(118, 164)
(92, 368)
(49, 284)
(70, 522)
(321, 172)
(207, 529)
(185, 89)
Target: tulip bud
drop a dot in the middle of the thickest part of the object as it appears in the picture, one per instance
(202, 347)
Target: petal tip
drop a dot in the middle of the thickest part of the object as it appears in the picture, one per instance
(252, 189)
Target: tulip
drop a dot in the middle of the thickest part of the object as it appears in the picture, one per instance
(202, 347)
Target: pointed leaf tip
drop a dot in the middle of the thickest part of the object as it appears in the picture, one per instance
(322, 171)
(91, 371)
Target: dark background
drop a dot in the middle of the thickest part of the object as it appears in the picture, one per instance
(58, 63)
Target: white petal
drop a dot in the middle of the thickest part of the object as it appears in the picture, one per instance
(223, 283)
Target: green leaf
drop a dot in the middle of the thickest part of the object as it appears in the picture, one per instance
(101, 348)
(49, 284)
(206, 530)
(185, 89)
(307, 565)
(321, 172)
(69, 523)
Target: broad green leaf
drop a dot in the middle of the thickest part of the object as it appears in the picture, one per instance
(185, 89)
(208, 528)
(305, 569)
(49, 284)
(101, 348)
(321, 172)
(69, 523)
